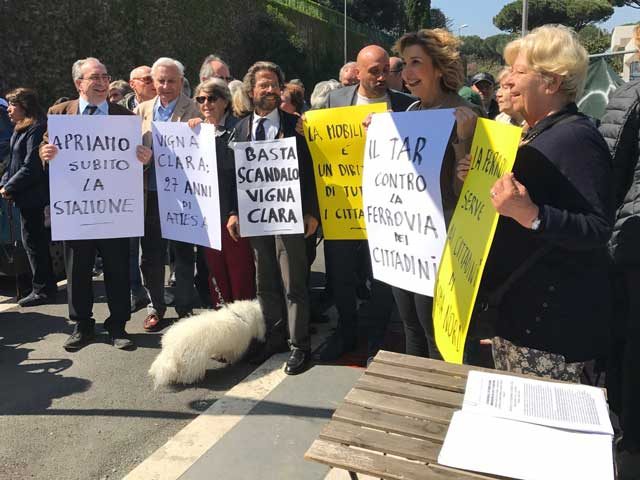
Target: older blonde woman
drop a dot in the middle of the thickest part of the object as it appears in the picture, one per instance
(433, 72)
(549, 255)
(503, 97)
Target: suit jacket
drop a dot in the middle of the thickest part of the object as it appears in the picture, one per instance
(71, 107)
(347, 96)
(288, 122)
(185, 110)
(25, 177)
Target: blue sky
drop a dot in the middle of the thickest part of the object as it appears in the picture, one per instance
(478, 14)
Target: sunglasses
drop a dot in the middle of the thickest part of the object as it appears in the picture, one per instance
(208, 98)
(146, 80)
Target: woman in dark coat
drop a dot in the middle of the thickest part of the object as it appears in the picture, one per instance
(25, 182)
(556, 218)
(231, 270)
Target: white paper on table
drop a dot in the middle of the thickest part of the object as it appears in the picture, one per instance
(562, 405)
(525, 451)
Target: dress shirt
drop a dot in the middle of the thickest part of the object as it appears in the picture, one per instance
(271, 124)
(103, 108)
(163, 114)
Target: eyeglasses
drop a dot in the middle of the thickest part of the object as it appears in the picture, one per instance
(226, 79)
(98, 78)
(208, 98)
(146, 80)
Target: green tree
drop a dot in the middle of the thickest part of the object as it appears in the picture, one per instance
(594, 39)
(440, 20)
(625, 3)
(417, 14)
(575, 13)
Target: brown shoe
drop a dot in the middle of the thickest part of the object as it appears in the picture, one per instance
(152, 323)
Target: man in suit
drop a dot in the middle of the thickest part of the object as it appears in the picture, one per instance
(281, 260)
(170, 105)
(92, 82)
(341, 256)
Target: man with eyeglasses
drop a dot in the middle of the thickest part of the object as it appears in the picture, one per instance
(214, 67)
(169, 105)
(394, 79)
(92, 82)
(143, 89)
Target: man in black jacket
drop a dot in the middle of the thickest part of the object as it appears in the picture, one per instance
(621, 129)
(281, 260)
(341, 255)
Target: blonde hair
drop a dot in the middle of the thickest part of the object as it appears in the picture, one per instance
(503, 73)
(553, 49)
(444, 50)
(636, 35)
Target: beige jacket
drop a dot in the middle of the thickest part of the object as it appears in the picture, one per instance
(185, 110)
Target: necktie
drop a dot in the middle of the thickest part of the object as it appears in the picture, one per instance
(260, 133)
(90, 109)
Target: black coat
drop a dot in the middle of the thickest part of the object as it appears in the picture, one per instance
(25, 178)
(620, 127)
(562, 304)
(288, 122)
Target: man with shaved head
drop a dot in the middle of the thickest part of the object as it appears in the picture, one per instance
(341, 256)
(394, 80)
(143, 89)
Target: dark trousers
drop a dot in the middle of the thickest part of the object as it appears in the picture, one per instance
(281, 284)
(416, 314)
(154, 253)
(185, 260)
(135, 277)
(232, 269)
(35, 239)
(79, 256)
(344, 258)
(623, 366)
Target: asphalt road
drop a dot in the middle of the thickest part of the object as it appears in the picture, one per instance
(92, 414)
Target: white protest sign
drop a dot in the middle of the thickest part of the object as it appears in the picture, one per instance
(268, 187)
(95, 179)
(402, 200)
(187, 180)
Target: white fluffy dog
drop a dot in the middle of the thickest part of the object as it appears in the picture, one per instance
(221, 334)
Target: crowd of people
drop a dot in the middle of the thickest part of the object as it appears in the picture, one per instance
(557, 290)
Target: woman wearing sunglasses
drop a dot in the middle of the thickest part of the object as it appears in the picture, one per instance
(232, 268)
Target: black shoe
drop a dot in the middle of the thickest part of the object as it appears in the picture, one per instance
(335, 346)
(297, 361)
(121, 341)
(266, 350)
(35, 299)
(82, 336)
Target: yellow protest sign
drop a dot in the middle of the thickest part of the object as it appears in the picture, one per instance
(469, 236)
(336, 139)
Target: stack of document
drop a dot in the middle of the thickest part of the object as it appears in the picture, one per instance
(531, 430)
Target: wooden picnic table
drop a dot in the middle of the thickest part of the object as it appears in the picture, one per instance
(392, 424)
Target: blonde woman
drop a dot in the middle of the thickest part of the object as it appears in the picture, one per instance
(556, 215)
(433, 72)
